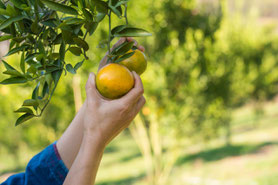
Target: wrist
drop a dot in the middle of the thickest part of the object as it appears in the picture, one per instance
(94, 139)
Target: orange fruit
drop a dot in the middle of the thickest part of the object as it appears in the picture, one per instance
(114, 80)
(137, 62)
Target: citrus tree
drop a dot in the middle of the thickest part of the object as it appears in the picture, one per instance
(43, 31)
(202, 67)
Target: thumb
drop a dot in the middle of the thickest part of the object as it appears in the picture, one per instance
(91, 91)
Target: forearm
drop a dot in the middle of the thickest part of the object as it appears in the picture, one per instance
(69, 143)
(86, 164)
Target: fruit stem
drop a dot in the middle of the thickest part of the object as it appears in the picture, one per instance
(109, 37)
(53, 90)
(126, 14)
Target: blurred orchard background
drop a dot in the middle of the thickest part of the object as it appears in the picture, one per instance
(211, 116)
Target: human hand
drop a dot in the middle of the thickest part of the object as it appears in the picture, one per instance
(105, 119)
(103, 62)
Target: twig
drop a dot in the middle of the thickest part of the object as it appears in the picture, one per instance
(109, 37)
(126, 20)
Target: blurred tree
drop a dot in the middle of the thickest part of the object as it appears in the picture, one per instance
(202, 66)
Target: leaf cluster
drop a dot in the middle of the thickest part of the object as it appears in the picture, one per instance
(43, 31)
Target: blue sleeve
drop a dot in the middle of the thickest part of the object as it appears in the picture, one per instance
(43, 169)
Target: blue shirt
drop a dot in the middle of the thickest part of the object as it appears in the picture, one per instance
(45, 168)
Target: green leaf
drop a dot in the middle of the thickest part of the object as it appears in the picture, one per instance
(4, 12)
(35, 27)
(18, 39)
(68, 36)
(118, 29)
(77, 29)
(2, 5)
(100, 16)
(48, 79)
(25, 109)
(115, 11)
(87, 14)
(18, 3)
(8, 66)
(22, 63)
(132, 32)
(32, 69)
(11, 10)
(81, 4)
(41, 48)
(74, 21)
(30, 57)
(30, 102)
(60, 7)
(70, 69)
(125, 56)
(58, 39)
(14, 80)
(81, 43)
(64, 26)
(62, 51)
(56, 75)
(14, 73)
(15, 50)
(12, 29)
(50, 22)
(123, 48)
(75, 50)
(23, 118)
(78, 65)
(54, 56)
(45, 89)
(35, 92)
(101, 6)
(50, 69)
(66, 18)
(121, 3)
(91, 27)
(11, 20)
(2, 17)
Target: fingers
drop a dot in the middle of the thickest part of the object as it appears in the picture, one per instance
(91, 91)
(105, 58)
(130, 39)
(140, 103)
(141, 48)
(136, 92)
(119, 42)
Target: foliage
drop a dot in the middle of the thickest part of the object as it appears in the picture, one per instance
(200, 73)
(37, 27)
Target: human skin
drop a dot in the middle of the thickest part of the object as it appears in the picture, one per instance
(77, 137)
(103, 121)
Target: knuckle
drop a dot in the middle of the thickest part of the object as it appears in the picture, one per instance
(123, 107)
(141, 91)
(144, 100)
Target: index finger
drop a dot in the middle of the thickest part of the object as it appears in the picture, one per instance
(103, 62)
(136, 92)
(141, 48)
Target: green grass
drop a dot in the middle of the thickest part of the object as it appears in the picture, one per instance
(251, 159)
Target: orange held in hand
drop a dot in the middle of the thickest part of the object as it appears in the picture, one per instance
(137, 62)
(114, 80)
